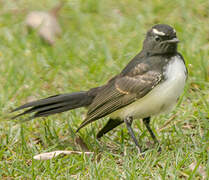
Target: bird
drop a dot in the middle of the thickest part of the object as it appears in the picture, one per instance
(150, 84)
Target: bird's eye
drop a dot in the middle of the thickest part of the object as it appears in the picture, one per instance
(157, 38)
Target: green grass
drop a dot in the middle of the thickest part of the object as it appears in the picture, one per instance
(99, 38)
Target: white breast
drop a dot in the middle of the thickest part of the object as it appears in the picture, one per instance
(163, 97)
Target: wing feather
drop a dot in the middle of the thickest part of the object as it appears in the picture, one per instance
(121, 92)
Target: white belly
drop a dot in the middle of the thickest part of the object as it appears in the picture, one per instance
(163, 97)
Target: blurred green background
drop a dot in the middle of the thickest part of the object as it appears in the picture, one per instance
(99, 37)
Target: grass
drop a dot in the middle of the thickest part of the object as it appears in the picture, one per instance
(99, 38)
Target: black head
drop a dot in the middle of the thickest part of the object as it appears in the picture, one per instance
(161, 39)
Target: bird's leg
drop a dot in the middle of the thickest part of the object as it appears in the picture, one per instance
(128, 121)
(147, 124)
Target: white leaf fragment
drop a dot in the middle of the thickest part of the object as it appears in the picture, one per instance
(50, 155)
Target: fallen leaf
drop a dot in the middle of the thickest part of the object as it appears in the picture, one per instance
(45, 23)
(50, 155)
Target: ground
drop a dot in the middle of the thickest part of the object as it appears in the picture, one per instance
(99, 37)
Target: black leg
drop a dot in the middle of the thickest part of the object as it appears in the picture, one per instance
(147, 124)
(128, 122)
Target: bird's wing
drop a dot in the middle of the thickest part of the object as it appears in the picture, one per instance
(122, 91)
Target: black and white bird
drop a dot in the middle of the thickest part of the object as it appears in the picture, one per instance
(150, 84)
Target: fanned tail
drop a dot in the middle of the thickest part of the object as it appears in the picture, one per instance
(55, 104)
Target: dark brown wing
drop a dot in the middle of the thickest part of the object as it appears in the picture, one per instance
(121, 92)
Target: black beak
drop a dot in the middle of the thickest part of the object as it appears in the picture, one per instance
(174, 40)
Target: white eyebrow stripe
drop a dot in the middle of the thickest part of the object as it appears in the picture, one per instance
(158, 32)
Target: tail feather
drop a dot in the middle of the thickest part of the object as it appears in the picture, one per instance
(55, 104)
(45, 101)
(41, 108)
(52, 111)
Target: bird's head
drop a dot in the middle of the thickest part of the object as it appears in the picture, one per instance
(161, 39)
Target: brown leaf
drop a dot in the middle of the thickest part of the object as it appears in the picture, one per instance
(45, 23)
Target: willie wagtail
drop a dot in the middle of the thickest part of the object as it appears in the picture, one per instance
(150, 84)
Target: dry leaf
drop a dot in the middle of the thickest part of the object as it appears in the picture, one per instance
(50, 155)
(45, 23)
